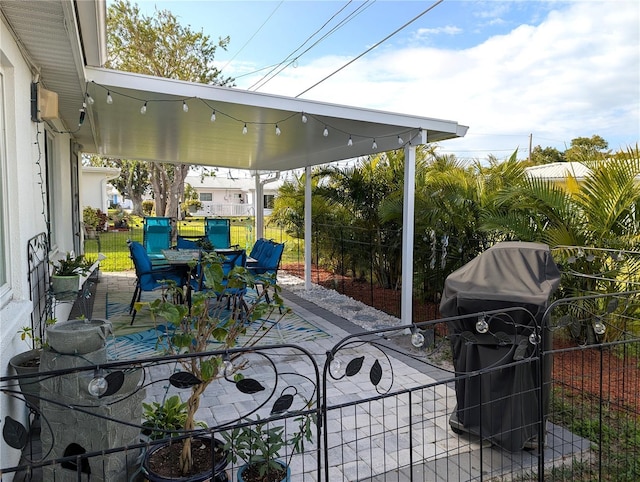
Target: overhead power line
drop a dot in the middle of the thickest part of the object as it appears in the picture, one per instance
(281, 66)
(254, 34)
(372, 47)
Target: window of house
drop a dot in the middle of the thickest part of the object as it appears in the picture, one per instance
(206, 196)
(4, 267)
(268, 201)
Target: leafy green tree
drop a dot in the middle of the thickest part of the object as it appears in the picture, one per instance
(546, 155)
(158, 45)
(585, 149)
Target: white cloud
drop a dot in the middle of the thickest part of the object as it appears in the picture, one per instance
(576, 74)
(422, 33)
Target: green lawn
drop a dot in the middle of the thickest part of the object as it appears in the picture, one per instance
(113, 244)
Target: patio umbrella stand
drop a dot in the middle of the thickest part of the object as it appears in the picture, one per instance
(68, 432)
(500, 404)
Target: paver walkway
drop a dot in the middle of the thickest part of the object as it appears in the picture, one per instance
(403, 437)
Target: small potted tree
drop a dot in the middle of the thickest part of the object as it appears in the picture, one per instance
(194, 326)
(65, 277)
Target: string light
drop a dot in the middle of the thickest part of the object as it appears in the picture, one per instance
(304, 118)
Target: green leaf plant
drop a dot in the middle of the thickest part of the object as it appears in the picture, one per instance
(194, 326)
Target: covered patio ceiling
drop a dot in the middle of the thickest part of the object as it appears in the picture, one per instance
(165, 132)
(65, 41)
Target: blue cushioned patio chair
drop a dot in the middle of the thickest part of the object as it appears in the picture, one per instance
(149, 278)
(189, 242)
(267, 262)
(219, 232)
(156, 236)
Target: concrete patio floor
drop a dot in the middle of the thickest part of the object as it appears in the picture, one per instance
(390, 445)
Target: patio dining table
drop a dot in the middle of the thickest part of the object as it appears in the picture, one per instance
(182, 257)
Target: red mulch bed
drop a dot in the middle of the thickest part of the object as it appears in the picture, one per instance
(585, 370)
(577, 371)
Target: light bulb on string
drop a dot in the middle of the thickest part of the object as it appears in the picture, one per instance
(244, 129)
(325, 132)
(417, 338)
(143, 109)
(98, 384)
(227, 367)
(213, 116)
(185, 107)
(400, 141)
(374, 145)
(90, 100)
(350, 142)
(304, 118)
(481, 325)
(109, 98)
(599, 327)
(278, 131)
(335, 368)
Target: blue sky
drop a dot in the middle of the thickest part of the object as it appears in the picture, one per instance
(507, 69)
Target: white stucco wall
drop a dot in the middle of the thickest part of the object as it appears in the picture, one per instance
(94, 187)
(25, 170)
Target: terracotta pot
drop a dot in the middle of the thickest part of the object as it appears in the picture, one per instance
(217, 474)
(287, 478)
(30, 387)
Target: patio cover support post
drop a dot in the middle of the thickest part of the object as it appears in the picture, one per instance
(258, 205)
(408, 218)
(307, 228)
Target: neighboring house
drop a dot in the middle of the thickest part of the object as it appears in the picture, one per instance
(225, 196)
(116, 198)
(57, 101)
(95, 188)
(559, 171)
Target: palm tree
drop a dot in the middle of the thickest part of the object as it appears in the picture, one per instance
(600, 212)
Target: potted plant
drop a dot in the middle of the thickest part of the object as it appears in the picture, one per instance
(193, 326)
(28, 363)
(259, 445)
(65, 277)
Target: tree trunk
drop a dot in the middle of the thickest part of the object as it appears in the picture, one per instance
(136, 200)
(176, 191)
(159, 186)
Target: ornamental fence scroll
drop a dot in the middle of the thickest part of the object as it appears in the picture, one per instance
(38, 273)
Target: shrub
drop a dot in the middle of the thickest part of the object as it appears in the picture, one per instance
(147, 207)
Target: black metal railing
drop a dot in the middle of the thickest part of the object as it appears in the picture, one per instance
(389, 405)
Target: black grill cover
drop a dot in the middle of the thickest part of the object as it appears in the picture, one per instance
(502, 404)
